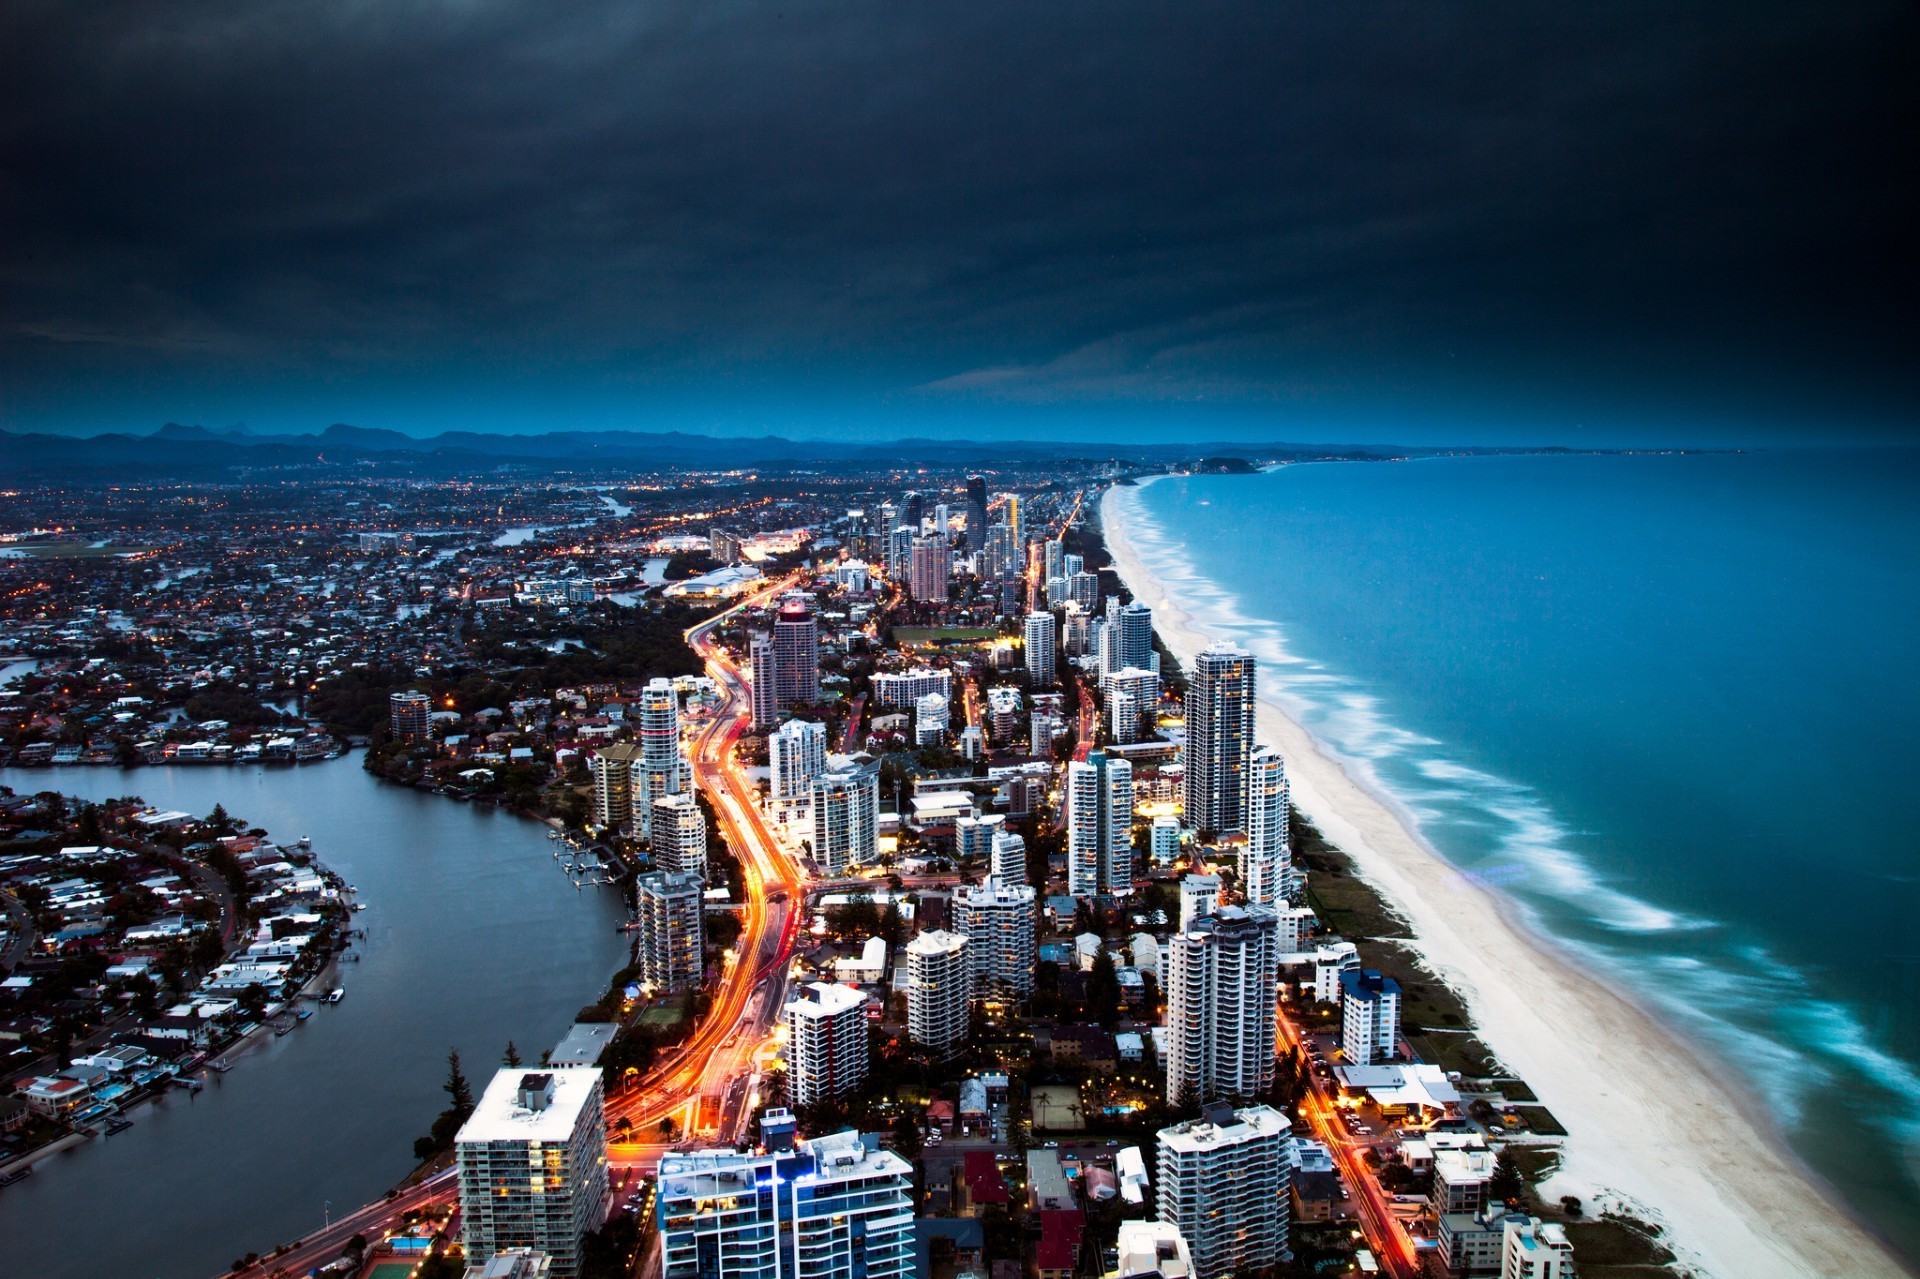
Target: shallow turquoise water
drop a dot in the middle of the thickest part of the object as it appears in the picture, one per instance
(1667, 702)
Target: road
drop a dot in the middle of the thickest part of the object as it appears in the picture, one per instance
(24, 932)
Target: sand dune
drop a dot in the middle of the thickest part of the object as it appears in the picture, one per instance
(1651, 1127)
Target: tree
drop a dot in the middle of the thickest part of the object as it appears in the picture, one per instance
(1505, 1185)
(907, 1138)
(512, 1058)
(1103, 989)
(219, 820)
(88, 831)
(457, 1087)
(253, 1000)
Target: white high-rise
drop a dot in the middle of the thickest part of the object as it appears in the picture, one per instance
(1220, 706)
(939, 991)
(1199, 897)
(1267, 858)
(1009, 857)
(1225, 1180)
(1166, 839)
(1369, 1017)
(846, 820)
(1127, 642)
(973, 836)
(998, 920)
(1099, 826)
(532, 1162)
(671, 947)
(797, 753)
(660, 770)
(1132, 695)
(827, 1210)
(927, 570)
(765, 684)
(1221, 987)
(827, 1048)
(930, 720)
(1041, 663)
(679, 835)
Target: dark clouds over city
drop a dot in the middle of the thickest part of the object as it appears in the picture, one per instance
(1528, 221)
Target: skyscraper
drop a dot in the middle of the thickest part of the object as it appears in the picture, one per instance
(796, 654)
(612, 769)
(1220, 706)
(976, 510)
(1009, 857)
(927, 572)
(930, 717)
(827, 1042)
(797, 753)
(1225, 1180)
(846, 820)
(532, 1162)
(1266, 860)
(765, 688)
(1041, 663)
(1099, 826)
(679, 840)
(660, 769)
(939, 991)
(672, 935)
(1220, 985)
(998, 920)
(1132, 696)
(1129, 639)
(828, 1209)
(409, 716)
(900, 551)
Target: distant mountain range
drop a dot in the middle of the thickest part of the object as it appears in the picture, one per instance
(179, 452)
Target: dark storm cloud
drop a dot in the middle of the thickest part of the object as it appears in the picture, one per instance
(920, 204)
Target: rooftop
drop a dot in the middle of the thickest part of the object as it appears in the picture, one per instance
(503, 1113)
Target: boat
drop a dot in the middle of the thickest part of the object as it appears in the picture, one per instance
(118, 1126)
(334, 996)
(18, 1174)
(303, 1014)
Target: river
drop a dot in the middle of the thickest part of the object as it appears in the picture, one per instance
(474, 937)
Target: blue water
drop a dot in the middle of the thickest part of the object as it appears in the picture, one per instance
(1668, 703)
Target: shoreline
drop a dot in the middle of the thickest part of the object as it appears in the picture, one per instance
(1691, 1157)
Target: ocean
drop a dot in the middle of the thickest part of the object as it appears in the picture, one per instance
(1667, 703)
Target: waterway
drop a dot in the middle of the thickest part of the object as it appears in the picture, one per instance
(474, 937)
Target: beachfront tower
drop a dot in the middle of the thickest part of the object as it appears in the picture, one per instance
(1099, 826)
(1266, 860)
(1369, 1017)
(1219, 739)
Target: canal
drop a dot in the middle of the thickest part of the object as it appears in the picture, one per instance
(474, 937)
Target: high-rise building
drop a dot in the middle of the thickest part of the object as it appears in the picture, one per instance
(998, 919)
(1129, 639)
(827, 1042)
(930, 719)
(612, 769)
(1042, 668)
(1166, 839)
(797, 753)
(679, 840)
(1000, 553)
(1534, 1250)
(1220, 985)
(1199, 897)
(724, 546)
(1055, 553)
(1099, 826)
(532, 1162)
(973, 836)
(826, 1209)
(976, 509)
(1133, 695)
(1220, 706)
(846, 820)
(1009, 857)
(939, 991)
(927, 570)
(904, 688)
(1225, 1180)
(765, 687)
(672, 936)
(1012, 518)
(409, 716)
(1369, 1017)
(1003, 712)
(796, 654)
(1266, 860)
(660, 769)
(900, 551)
(1082, 588)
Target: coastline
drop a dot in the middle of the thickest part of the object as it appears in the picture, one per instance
(1688, 1156)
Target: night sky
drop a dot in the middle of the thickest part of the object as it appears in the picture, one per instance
(1429, 222)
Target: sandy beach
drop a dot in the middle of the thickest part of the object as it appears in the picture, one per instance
(1651, 1127)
